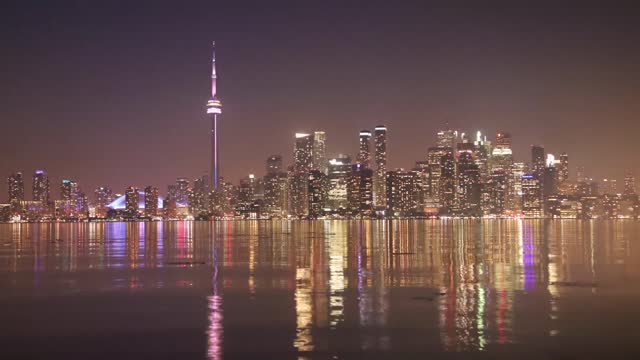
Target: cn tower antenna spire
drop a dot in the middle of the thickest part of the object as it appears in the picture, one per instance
(214, 77)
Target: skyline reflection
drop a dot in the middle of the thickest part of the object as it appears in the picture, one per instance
(339, 287)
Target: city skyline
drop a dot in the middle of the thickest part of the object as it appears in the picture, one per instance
(542, 99)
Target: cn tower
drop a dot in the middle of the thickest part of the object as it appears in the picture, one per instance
(214, 108)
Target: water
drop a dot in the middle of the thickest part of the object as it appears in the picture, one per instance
(320, 289)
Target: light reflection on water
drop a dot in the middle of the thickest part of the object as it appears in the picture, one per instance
(341, 286)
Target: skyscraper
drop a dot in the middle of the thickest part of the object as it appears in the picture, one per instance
(182, 186)
(303, 152)
(402, 197)
(274, 164)
(151, 201)
(538, 160)
(104, 196)
(532, 201)
(15, 184)
(629, 183)
(317, 193)
(320, 151)
(41, 187)
(214, 108)
(339, 169)
(563, 168)
(364, 154)
(360, 191)
(379, 184)
(69, 190)
(132, 198)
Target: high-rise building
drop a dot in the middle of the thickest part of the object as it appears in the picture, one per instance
(41, 187)
(629, 183)
(502, 160)
(247, 189)
(446, 138)
(609, 186)
(15, 184)
(317, 193)
(199, 196)
(274, 164)
(132, 198)
(380, 183)
(532, 200)
(104, 197)
(364, 154)
(320, 151)
(563, 169)
(580, 174)
(497, 189)
(339, 170)
(538, 159)
(214, 108)
(469, 186)
(303, 152)
(151, 201)
(275, 193)
(69, 190)
(360, 191)
(402, 194)
(182, 188)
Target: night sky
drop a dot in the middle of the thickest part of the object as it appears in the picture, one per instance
(110, 93)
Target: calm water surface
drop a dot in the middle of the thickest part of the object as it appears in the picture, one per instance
(321, 289)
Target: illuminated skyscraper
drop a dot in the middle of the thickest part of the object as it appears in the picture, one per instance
(69, 190)
(15, 184)
(151, 201)
(446, 138)
(181, 191)
(214, 109)
(497, 190)
(303, 152)
(104, 197)
(320, 151)
(532, 201)
(132, 198)
(41, 187)
(364, 154)
(380, 183)
(339, 169)
(580, 174)
(563, 169)
(274, 164)
(360, 191)
(469, 186)
(629, 183)
(402, 194)
(609, 187)
(317, 193)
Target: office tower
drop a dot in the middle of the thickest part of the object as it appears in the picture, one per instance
(320, 151)
(104, 197)
(181, 191)
(532, 200)
(364, 155)
(580, 174)
(150, 201)
(538, 159)
(275, 193)
(199, 196)
(303, 152)
(497, 188)
(298, 193)
(132, 199)
(15, 184)
(317, 193)
(402, 194)
(360, 191)
(421, 170)
(609, 186)
(519, 169)
(447, 181)
(214, 109)
(549, 183)
(41, 187)
(563, 169)
(629, 183)
(339, 169)
(274, 164)
(469, 186)
(502, 160)
(247, 189)
(83, 204)
(380, 183)
(446, 138)
(69, 190)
